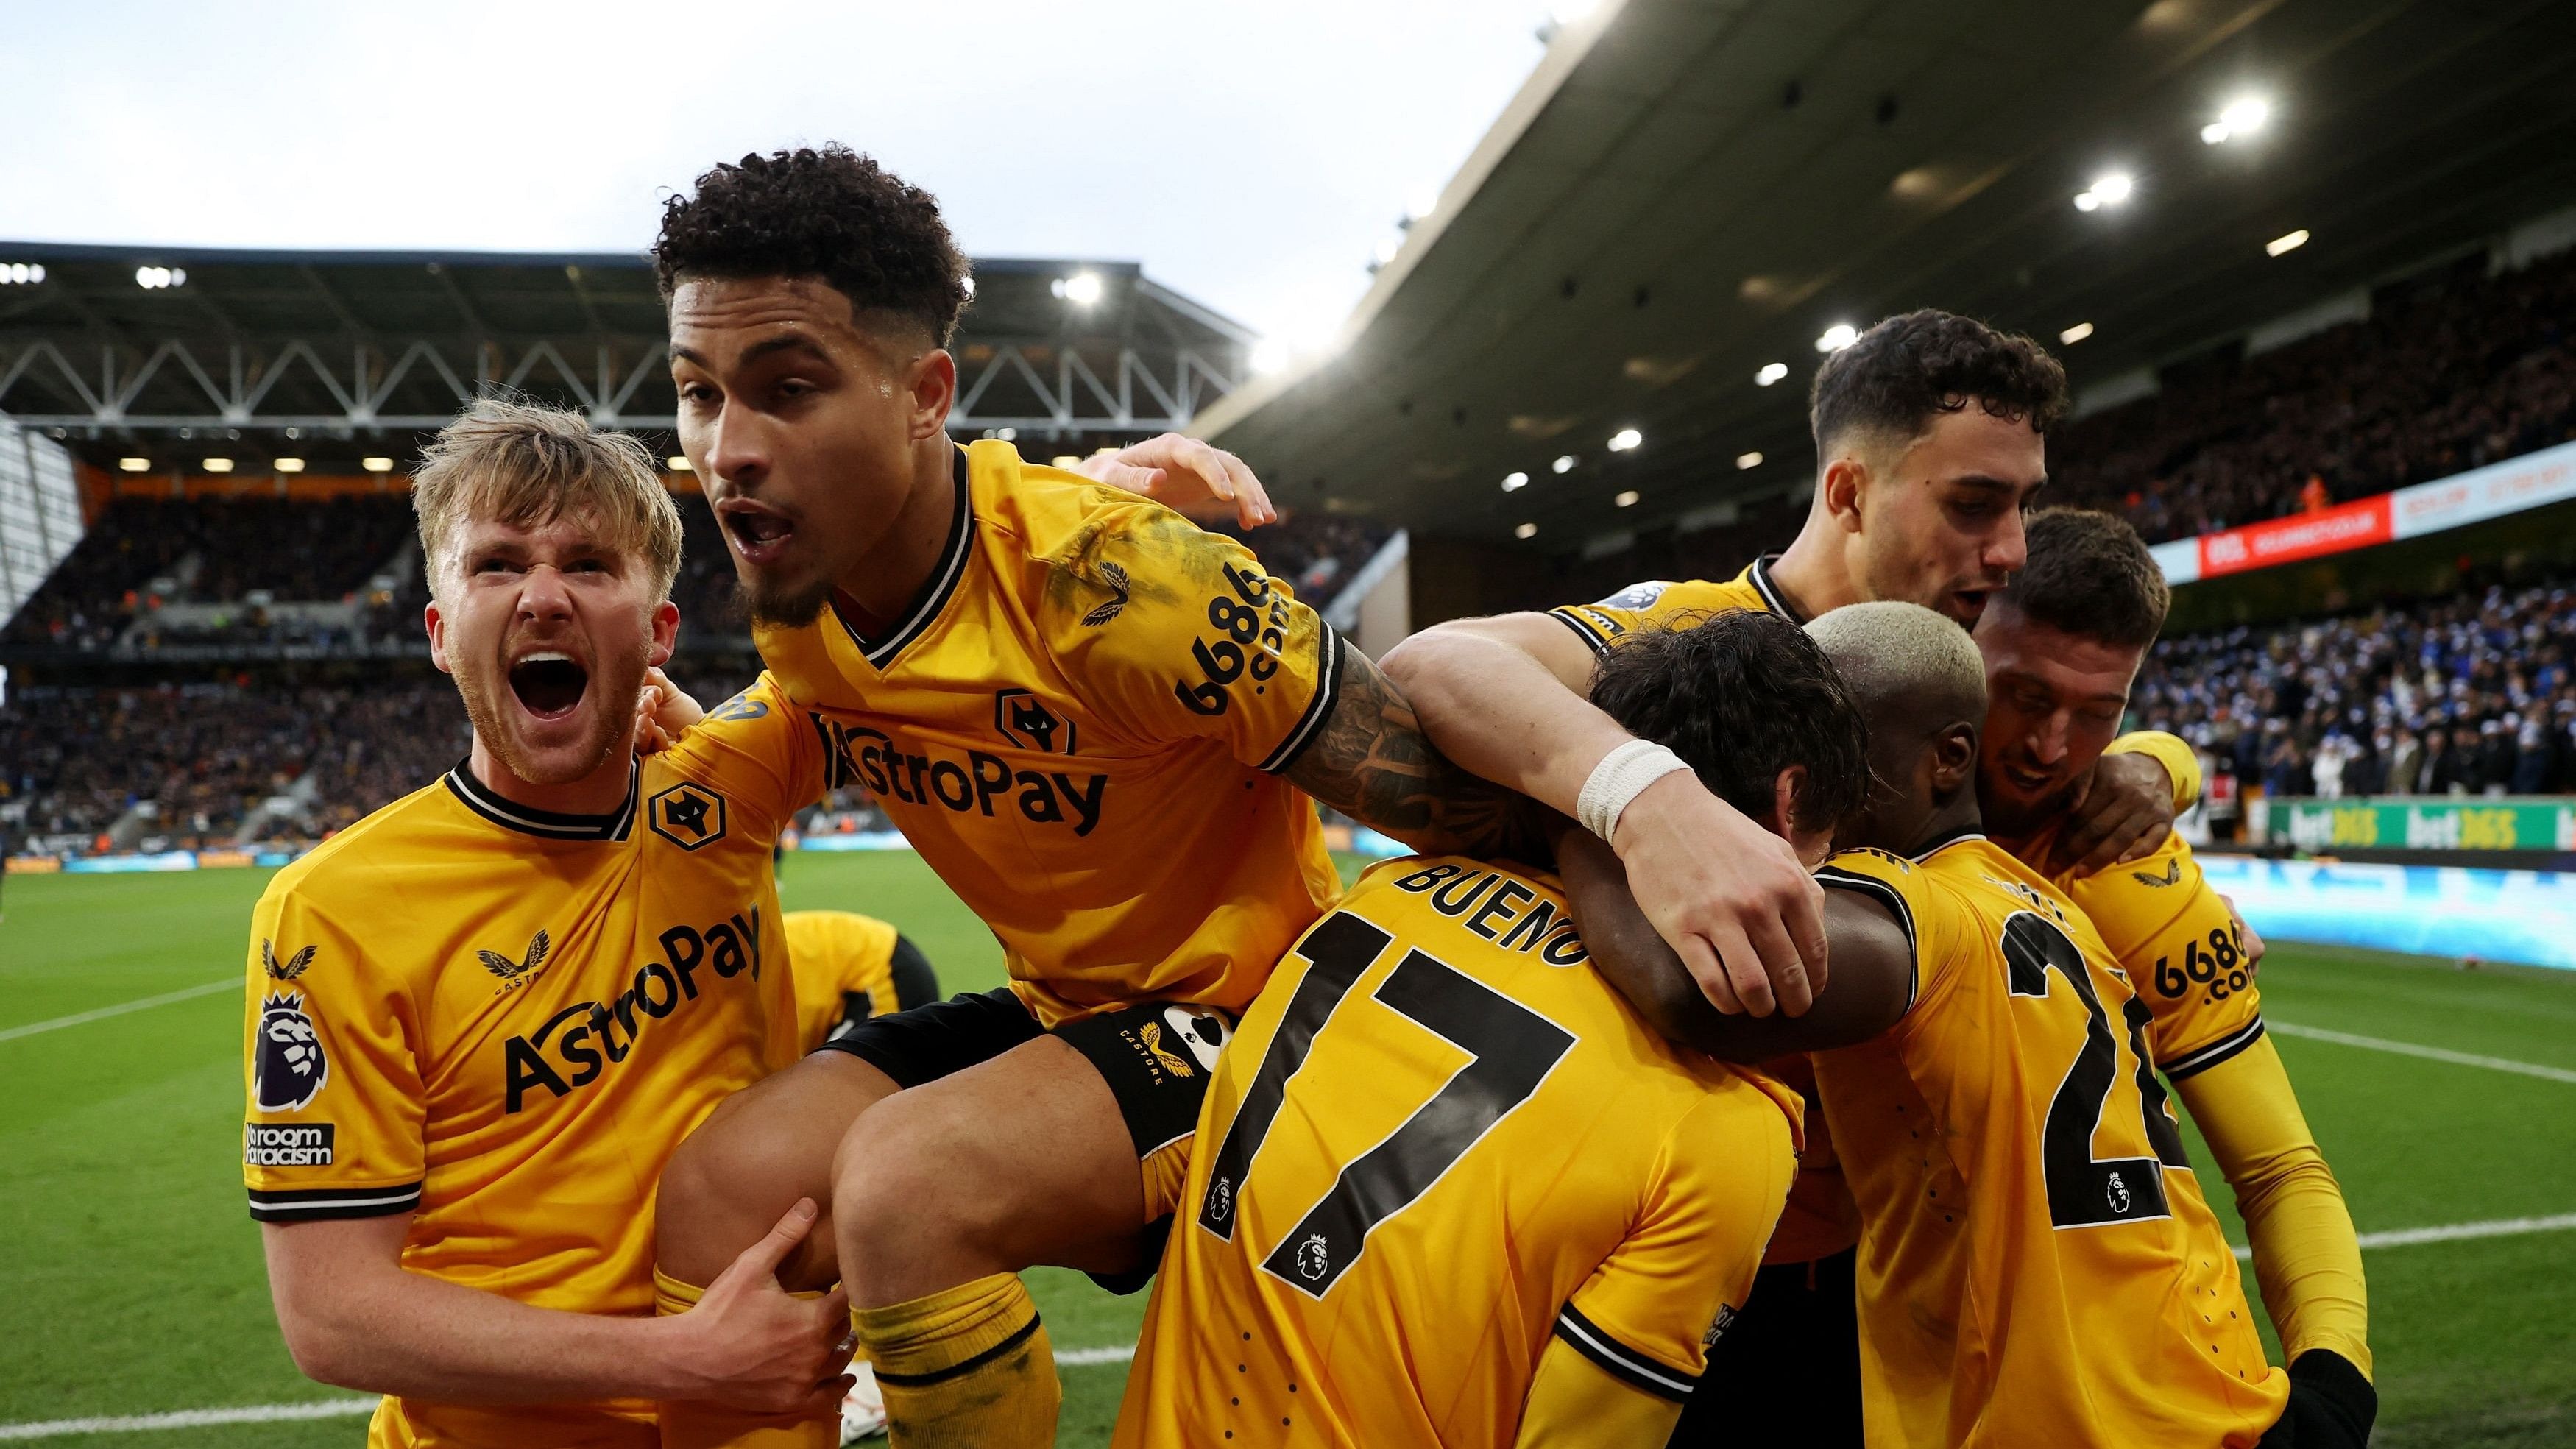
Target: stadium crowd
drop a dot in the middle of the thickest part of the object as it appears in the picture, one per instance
(2470, 695)
(2444, 376)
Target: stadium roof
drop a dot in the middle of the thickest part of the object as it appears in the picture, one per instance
(169, 350)
(1686, 192)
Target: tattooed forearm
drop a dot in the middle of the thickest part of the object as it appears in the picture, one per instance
(1372, 762)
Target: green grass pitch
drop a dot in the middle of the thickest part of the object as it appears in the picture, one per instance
(131, 1281)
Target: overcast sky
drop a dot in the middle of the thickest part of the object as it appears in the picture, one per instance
(1250, 153)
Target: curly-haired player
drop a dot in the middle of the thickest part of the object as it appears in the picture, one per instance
(1091, 718)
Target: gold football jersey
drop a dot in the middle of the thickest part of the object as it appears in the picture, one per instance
(501, 1021)
(1437, 1140)
(1080, 725)
(2169, 929)
(844, 966)
(2037, 1265)
(1657, 603)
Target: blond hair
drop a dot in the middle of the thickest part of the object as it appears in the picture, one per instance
(1900, 656)
(525, 464)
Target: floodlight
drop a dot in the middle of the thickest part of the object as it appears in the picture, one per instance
(2113, 187)
(1526, 530)
(377, 465)
(1625, 439)
(1838, 337)
(1745, 462)
(135, 465)
(679, 463)
(1564, 463)
(1514, 482)
(1627, 499)
(1269, 355)
(2076, 333)
(2279, 244)
(219, 465)
(1082, 288)
(1771, 372)
(288, 465)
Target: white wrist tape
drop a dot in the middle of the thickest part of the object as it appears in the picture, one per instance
(1621, 776)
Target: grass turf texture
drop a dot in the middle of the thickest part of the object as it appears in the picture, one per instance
(133, 1283)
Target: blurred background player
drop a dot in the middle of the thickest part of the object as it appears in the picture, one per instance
(481, 1018)
(2052, 1276)
(1387, 1248)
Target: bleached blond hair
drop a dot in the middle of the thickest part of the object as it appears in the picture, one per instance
(526, 465)
(1897, 655)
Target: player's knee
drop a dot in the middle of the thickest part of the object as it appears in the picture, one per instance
(905, 1176)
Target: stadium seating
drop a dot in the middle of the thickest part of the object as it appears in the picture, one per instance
(2446, 374)
(2466, 695)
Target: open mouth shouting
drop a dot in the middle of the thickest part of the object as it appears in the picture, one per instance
(549, 683)
(759, 534)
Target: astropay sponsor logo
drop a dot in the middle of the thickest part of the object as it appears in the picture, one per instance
(981, 784)
(287, 1144)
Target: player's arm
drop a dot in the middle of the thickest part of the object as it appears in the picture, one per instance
(1576, 1401)
(1372, 761)
(354, 1316)
(1873, 983)
(2143, 781)
(1507, 699)
(2306, 1254)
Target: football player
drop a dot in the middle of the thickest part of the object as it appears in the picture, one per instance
(1104, 729)
(482, 1018)
(1450, 1189)
(1930, 445)
(851, 968)
(2036, 1263)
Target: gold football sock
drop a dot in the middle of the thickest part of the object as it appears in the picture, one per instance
(713, 1426)
(966, 1368)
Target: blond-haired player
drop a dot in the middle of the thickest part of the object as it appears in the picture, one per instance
(481, 1018)
(2037, 1265)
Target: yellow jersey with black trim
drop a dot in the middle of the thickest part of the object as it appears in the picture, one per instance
(1658, 603)
(501, 1021)
(1081, 724)
(2037, 1265)
(2169, 928)
(1437, 1141)
(844, 966)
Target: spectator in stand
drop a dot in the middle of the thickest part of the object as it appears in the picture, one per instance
(2405, 764)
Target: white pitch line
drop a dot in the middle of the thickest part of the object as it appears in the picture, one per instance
(2410, 1049)
(350, 1408)
(2454, 1232)
(79, 1018)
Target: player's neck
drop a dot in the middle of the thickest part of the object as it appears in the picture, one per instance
(1813, 574)
(1948, 823)
(890, 576)
(600, 792)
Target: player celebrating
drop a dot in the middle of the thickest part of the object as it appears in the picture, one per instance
(1385, 1248)
(1092, 719)
(850, 968)
(482, 1017)
(1930, 443)
(2051, 1274)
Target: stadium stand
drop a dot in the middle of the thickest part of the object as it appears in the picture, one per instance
(2448, 372)
(2467, 695)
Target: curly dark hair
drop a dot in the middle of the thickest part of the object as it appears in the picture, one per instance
(828, 213)
(2091, 576)
(1913, 366)
(1741, 696)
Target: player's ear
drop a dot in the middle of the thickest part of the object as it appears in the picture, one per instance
(666, 632)
(436, 623)
(1838, 490)
(1954, 758)
(932, 382)
(1785, 791)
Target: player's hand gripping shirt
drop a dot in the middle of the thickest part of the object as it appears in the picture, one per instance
(2036, 1265)
(1080, 725)
(502, 1021)
(1436, 1141)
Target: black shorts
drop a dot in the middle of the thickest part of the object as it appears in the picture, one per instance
(1155, 1056)
(1787, 1371)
